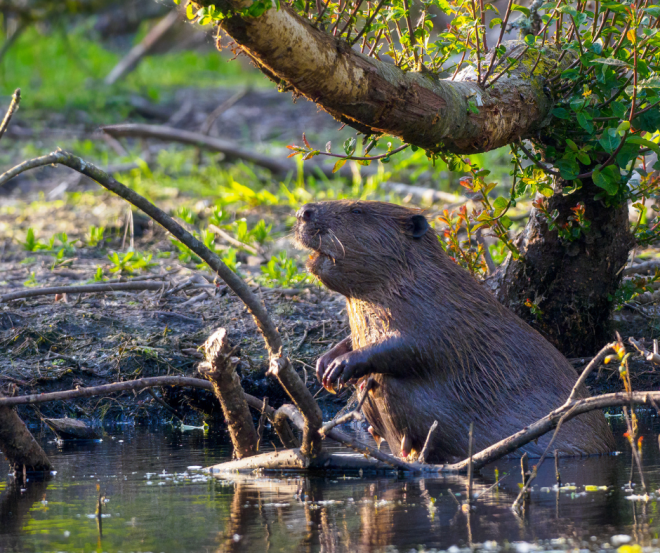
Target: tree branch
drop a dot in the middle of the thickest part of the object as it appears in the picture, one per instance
(280, 365)
(377, 97)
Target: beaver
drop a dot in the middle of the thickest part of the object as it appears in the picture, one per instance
(437, 345)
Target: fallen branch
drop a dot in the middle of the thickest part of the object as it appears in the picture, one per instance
(279, 363)
(15, 100)
(83, 289)
(230, 149)
(108, 389)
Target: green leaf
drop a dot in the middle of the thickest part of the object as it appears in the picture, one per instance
(495, 21)
(499, 205)
(572, 145)
(568, 168)
(619, 110)
(584, 122)
(561, 113)
(627, 153)
(545, 191)
(643, 142)
(609, 141)
(349, 146)
(523, 9)
(648, 121)
(340, 163)
(583, 157)
(653, 10)
(652, 82)
(623, 127)
(611, 61)
(608, 179)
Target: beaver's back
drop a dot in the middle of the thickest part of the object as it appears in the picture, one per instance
(478, 363)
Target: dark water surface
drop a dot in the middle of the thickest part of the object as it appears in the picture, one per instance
(156, 502)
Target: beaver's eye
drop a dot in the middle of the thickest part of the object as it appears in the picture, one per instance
(357, 211)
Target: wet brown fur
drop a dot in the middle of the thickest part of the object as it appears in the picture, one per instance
(462, 358)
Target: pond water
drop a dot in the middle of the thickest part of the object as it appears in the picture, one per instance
(154, 501)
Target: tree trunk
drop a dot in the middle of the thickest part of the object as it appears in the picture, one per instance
(570, 282)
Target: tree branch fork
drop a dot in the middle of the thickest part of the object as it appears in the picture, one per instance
(458, 115)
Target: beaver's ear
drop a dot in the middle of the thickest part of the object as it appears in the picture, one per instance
(419, 225)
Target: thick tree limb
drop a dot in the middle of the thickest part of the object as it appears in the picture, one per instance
(377, 97)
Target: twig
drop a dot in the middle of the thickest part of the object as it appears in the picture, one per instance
(108, 389)
(648, 355)
(82, 289)
(162, 403)
(635, 453)
(15, 100)
(528, 483)
(590, 367)
(279, 363)
(349, 416)
(262, 424)
(217, 112)
(229, 238)
(469, 469)
(427, 443)
(557, 473)
(540, 165)
(9, 42)
(133, 58)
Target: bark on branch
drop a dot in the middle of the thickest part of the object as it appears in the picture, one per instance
(280, 365)
(227, 388)
(377, 97)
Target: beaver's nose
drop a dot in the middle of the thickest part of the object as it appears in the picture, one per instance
(306, 213)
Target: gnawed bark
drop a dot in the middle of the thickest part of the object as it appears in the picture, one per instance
(572, 283)
(227, 388)
(377, 97)
(19, 446)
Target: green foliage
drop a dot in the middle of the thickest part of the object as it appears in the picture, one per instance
(94, 236)
(61, 68)
(282, 271)
(129, 262)
(31, 281)
(31, 244)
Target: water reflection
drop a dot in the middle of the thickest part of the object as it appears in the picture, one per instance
(157, 503)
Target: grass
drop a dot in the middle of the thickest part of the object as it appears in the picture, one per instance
(64, 70)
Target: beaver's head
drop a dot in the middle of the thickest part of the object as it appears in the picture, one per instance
(361, 246)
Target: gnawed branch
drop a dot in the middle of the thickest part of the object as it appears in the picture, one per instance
(280, 365)
(376, 97)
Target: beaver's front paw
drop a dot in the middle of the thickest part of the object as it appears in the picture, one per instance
(343, 369)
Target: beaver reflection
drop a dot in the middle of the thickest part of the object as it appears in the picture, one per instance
(369, 514)
(438, 345)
